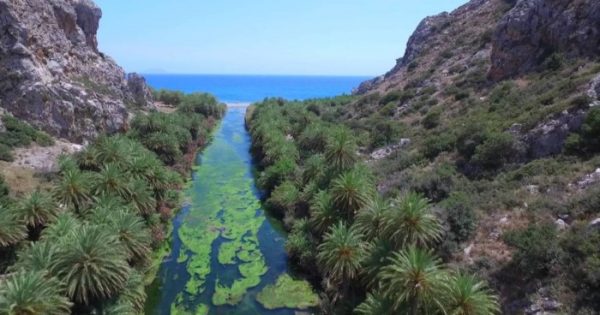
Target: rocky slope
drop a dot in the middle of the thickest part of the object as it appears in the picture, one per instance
(494, 99)
(510, 37)
(53, 76)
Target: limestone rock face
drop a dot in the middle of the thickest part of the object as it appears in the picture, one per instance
(535, 29)
(52, 74)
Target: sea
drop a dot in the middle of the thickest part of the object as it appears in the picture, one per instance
(254, 88)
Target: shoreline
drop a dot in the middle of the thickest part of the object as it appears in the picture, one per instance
(237, 104)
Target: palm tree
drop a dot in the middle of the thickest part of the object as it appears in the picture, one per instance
(119, 308)
(411, 222)
(38, 256)
(340, 151)
(314, 169)
(74, 189)
(92, 263)
(110, 150)
(12, 229)
(64, 225)
(468, 296)
(351, 192)
(143, 166)
(342, 253)
(135, 291)
(133, 234)
(66, 163)
(375, 304)
(322, 212)
(379, 253)
(88, 159)
(111, 180)
(37, 210)
(32, 293)
(371, 220)
(141, 198)
(415, 279)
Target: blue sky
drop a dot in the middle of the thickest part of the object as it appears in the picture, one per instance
(326, 37)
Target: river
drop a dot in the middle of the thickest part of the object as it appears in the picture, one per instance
(226, 254)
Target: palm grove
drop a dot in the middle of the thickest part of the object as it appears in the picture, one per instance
(88, 245)
(373, 255)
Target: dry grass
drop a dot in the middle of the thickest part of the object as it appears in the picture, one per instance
(21, 180)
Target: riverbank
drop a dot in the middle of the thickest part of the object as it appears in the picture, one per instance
(224, 251)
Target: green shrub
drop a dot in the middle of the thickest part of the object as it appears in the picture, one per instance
(284, 198)
(435, 183)
(5, 153)
(168, 97)
(278, 172)
(390, 97)
(432, 119)
(588, 140)
(385, 132)
(582, 247)
(201, 103)
(460, 216)
(397, 96)
(4, 189)
(536, 249)
(388, 110)
(497, 149)
(20, 134)
(553, 62)
(438, 143)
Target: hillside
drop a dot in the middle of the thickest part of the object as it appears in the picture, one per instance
(491, 115)
(53, 76)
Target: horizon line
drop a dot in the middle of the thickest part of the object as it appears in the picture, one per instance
(260, 75)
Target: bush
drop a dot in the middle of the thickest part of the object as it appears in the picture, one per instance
(536, 249)
(5, 153)
(435, 184)
(284, 198)
(582, 246)
(461, 216)
(19, 134)
(201, 103)
(385, 132)
(4, 189)
(432, 119)
(168, 97)
(278, 172)
(397, 96)
(497, 149)
(436, 144)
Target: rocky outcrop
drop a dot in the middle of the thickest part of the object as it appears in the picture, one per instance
(535, 29)
(52, 74)
(430, 47)
(548, 138)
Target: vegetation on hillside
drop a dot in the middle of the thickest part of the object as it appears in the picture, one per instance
(86, 245)
(370, 254)
(516, 204)
(19, 134)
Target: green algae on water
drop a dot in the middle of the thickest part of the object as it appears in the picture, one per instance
(221, 263)
(288, 293)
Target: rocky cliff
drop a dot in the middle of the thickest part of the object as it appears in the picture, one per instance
(513, 37)
(535, 29)
(53, 75)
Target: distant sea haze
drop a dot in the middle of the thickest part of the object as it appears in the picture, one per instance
(253, 88)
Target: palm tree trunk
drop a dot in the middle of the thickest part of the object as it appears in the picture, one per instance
(414, 306)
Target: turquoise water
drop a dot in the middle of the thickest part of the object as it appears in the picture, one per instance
(222, 241)
(252, 88)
